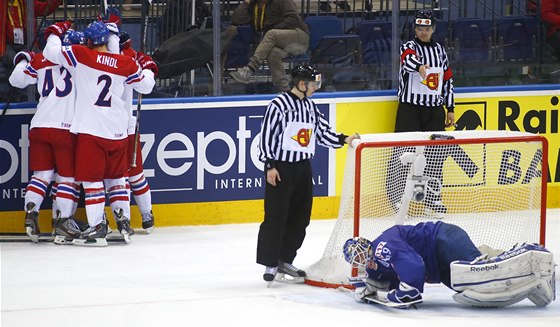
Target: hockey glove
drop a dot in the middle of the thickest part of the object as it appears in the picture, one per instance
(113, 28)
(405, 295)
(124, 40)
(366, 286)
(146, 62)
(112, 15)
(58, 29)
(23, 55)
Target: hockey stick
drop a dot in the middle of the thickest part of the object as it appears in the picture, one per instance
(44, 237)
(145, 10)
(29, 48)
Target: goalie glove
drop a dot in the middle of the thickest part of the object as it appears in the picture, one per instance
(405, 295)
(23, 55)
(58, 29)
(365, 287)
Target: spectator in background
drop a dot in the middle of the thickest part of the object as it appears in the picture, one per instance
(550, 13)
(13, 32)
(284, 33)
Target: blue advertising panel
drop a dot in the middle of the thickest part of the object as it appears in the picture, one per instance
(190, 155)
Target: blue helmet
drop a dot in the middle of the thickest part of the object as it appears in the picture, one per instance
(71, 37)
(356, 251)
(96, 33)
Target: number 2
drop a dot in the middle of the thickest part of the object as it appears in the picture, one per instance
(102, 101)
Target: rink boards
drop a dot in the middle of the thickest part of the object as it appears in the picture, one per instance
(201, 159)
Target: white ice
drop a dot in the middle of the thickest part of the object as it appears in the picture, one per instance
(207, 276)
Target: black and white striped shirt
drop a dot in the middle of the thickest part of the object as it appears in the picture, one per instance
(414, 54)
(290, 127)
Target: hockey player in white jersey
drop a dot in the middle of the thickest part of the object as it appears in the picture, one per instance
(403, 258)
(135, 180)
(101, 122)
(52, 146)
(138, 183)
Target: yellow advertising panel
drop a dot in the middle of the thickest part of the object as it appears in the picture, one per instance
(532, 111)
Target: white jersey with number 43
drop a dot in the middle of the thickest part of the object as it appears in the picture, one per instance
(100, 79)
(57, 92)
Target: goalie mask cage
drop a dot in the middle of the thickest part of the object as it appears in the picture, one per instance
(490, 183)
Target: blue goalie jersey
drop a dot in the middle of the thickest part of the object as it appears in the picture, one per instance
(405, 254)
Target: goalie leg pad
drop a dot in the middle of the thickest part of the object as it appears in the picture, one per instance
(523, 272)
(544, 293)
(517, 266)
(496, 299)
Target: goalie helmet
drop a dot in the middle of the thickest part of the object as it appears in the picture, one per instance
(305, 72)
(356, 251)
(73, 37)
(424, 18)
(96, 33)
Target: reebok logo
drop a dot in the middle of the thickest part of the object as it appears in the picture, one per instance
(487, 268)
(512, 254)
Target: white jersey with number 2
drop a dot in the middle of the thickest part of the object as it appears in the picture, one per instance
(100, 79)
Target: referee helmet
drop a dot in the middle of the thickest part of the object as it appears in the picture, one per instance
(424, 18)
(307, 73)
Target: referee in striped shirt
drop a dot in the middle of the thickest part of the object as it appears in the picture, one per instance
(425, 86)
(291, 126)
(426, 81)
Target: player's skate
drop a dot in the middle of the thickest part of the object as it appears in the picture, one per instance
(148, 222)
(269, 275)
(123, 225)
(65, 230)
(32, 222)
(93, 236)
(288, 273)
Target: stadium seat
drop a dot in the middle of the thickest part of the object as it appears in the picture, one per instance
(472, 39)
(376, 39)
(328, 43)
(320, 26)
(240, 49)
(517, 37)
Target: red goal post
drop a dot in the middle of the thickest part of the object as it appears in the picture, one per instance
(491, 183)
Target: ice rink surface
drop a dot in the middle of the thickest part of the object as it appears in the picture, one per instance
(207, 276)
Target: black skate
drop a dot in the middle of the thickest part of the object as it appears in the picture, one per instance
(123, 225)
(93, 236)
(148, 222)
(32, 222)
(65, 230)
(288, 273)
(269, 275)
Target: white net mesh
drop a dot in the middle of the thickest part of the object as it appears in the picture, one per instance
(487, 182)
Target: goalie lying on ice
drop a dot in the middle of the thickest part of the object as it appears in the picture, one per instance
(403, 258)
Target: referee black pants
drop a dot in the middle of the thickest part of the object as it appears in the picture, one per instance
(413, 118)
(287, 211)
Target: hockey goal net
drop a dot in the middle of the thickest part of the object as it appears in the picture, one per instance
(490, 183)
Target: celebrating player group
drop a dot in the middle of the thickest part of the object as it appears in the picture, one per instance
(82, 135)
